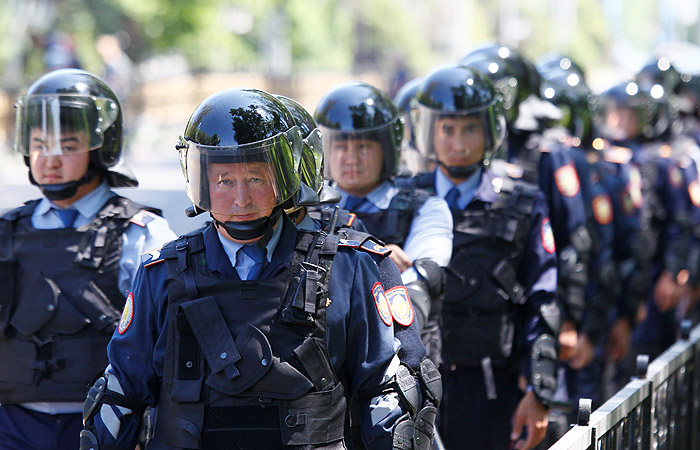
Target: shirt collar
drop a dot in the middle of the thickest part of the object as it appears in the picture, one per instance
(380, 196)
(87, 206)
(231, 248)
(466, 188)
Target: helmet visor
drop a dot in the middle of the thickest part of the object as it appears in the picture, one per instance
(458, 138)
(241, 182)
(311, 169)
(62, 124)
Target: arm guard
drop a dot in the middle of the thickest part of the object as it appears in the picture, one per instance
(426, 292)
(543, 362)
(415, 430)
(573, 273)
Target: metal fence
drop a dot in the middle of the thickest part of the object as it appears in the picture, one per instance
(659, 409)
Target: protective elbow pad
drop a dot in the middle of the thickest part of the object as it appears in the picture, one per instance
(543, 361)
(432, 273)
(551, 315)
(415, 434)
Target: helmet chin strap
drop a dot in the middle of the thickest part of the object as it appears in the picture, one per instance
(62, 191)
(251, 229)
(461, 172)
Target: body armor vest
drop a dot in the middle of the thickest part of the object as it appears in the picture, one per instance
(62, 305)
(246, 361)
(482, 292)
(392, 225)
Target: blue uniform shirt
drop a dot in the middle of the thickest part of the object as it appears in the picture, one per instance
(360, 344)
(430, 235)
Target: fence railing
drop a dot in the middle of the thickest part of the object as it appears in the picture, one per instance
(659, 409)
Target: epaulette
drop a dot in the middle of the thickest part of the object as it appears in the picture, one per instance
(618, 155)
(348, 243)
(143, 218)
(505, 168)
(150, 258)
(374, 247)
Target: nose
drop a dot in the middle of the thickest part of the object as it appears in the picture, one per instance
(241, 196)
(53, 161)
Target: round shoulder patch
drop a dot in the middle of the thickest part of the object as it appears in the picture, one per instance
(566, 180)
(602, 209)
(675, 176)
(382, 304)
(547, 236)
(400, 303)
(626, 202)
(127, 314)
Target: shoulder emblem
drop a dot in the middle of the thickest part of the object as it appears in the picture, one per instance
(602, 209)
(374, 247)
(127, 314)
(694, 192)
(400, 303)
(675, 176)
(151, 258)
(142, 218)
(626, 202)
(382, 304)
(351, 219)
(567, 181)
(547, 236)
(635, 187)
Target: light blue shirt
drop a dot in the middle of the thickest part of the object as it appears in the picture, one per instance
(135, 241)
(467, 188)
(242, 262)
(430, 235)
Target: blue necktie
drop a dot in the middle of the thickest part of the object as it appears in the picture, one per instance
(356, 204)
(452, 198)
(67, 216)
(257, 254)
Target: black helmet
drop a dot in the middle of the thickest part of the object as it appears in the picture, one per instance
(71, 100)
(455, 91)
(689, 95)
(659, 72)
(555, 64)
(577, 103)
(241, 135)
(311, 166)
(357, 110)
(626, 95)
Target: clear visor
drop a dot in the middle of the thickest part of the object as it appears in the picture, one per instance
(358, 154)
(61, 124)
(311, 169)
(451, 137)
(238, 183)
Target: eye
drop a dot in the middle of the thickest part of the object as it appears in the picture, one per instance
(256, 180)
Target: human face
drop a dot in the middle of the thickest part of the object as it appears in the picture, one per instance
(356, 165)
(48, 166)
(241, 192)
(622, 123)
(459, 141)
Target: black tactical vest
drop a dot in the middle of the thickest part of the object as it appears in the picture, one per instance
(246, 362)
(392, 225)
(62, 302)
(482, 292)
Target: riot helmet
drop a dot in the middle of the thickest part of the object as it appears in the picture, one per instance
(577, 103)
(659, 72)
(72, 103)
(411, 160)
(461, 95)
(354, 117)
(625, 112)
(311, 165)
(689, 95)
(555, 64)
(240, 154)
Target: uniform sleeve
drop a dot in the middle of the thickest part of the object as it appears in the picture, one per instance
(135, 354)
(361, 343)
(149, 235)
(430, 235)
(538, 275)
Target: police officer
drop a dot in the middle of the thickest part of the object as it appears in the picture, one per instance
(241, 333)
(547, 163)
(362, 133)
(412, 353)
(500, 316)
(67, 259)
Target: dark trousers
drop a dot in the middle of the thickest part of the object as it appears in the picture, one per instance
(24, 429)
(468, 419)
